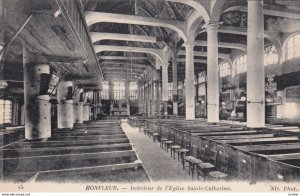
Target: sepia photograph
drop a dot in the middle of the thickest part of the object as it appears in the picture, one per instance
(139, 96)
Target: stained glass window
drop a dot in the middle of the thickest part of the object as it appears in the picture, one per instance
(225, 69)
(271, 55)
(133, 91)
(119, 90)
(241, 64)
(292, 48)
(105, 90)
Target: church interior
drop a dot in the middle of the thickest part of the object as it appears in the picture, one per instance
(149, 90)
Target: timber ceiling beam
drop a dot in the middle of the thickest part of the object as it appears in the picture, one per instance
(223, 56)
(122, 70)
(123, 67)
(237, 46)
(116, 72)
(116, 63)
(123, 58)
(119, 75)
(97, 36)
(195, 60)
(156, 52)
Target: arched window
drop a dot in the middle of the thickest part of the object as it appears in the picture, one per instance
(170, 90)
(119, 90)
(224, 69)
(105, 90)
(133, 90)
(292, 48)
(271, 55)
(241, 64)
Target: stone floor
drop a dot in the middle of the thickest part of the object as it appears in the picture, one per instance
(158, 163)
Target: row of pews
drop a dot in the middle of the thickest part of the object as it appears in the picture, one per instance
(229, 152)
(92, 152)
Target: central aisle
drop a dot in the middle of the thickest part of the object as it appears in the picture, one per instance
(157, 162)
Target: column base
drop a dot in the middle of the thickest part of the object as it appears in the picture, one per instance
(190, 112)
(78, 113)
(165, 108)
(175, 108)
(38, 118)
(65, 115)
(86, 113)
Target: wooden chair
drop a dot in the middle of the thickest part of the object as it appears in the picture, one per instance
(174, 149)
(217, 175)
(204, 168)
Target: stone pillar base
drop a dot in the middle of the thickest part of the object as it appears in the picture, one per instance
(78, 113)
(65, 115)
(86, 113)
(38, 121)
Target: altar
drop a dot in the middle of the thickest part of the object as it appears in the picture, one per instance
(119, 108)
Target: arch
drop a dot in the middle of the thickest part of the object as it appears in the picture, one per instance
(100, 17)
(229, 68)
(216, 7)
(225, 61)
(243, 31)
(287, 38)
(234, 62)
(238, 56)
(193, 26)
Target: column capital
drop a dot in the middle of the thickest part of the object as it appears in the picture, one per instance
(190, 44)
(165, 65)
(213, 25)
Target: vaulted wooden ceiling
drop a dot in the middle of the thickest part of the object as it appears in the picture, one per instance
(52, 38)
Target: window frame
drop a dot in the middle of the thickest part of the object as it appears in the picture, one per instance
(292, 47)
(6, 111)
(240, 64)
(224, 69)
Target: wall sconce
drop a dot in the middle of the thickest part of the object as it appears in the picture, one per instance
(243, 98)
(269, 99)
(3, 84)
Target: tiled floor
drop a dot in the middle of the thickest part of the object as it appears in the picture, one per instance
(157, 162)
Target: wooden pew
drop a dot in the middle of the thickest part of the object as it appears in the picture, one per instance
(89, 131)
(86, 137)
(89, 152)
(284, 170)
(11, 136)
(233, 149)
(242, 163)
(125, 172)
(43, 151)
(39, 144)
(260, 149)
(65, 161)
(280, 157)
